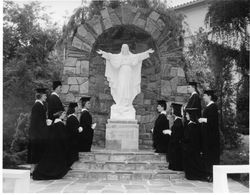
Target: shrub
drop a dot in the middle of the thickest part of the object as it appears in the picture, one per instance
(239, 156)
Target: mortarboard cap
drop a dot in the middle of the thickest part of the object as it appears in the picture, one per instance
(58, 114)
(192, 83)
(73, 104)
(191, 110)
(177, 108)
(193, 113)
(41, 90)
(176, 105)
(85, 99)
(161, 102)
(209, 92)
(56, 84)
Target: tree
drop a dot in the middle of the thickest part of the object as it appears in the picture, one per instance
(229, 45)
(197, 65)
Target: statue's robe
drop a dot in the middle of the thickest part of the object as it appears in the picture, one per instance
(123, 73)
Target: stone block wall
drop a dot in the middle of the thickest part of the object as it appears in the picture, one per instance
(83, 72)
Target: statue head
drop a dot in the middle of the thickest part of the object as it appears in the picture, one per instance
(125, 49)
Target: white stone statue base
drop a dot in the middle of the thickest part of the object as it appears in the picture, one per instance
(122, 135)
(122, 112)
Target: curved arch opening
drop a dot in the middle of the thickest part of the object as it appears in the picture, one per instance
(111, 40)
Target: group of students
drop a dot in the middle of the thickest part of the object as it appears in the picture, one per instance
(55, 135)
(192, 144)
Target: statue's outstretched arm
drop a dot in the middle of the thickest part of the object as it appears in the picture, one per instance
(100, 52)
(150, 51)
(104, 54)
(144, 55)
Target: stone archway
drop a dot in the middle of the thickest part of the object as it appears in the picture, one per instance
(83, 72)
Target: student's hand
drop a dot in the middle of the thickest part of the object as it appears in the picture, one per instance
(202, 120)
(150, 51)
(152, 130)
(49, 122)
(93, 126)
(80, 129)
(167, 131)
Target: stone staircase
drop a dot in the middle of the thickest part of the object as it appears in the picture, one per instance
(116, 165)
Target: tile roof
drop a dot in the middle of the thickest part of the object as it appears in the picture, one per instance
(187, 4)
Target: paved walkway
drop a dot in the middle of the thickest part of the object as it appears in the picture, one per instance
(76, 185)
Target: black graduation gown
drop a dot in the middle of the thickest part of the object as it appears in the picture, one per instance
(194, 101)
(54, 164)
(37, 133)
(86, 136)
(175, 146)
(211, 137)
(72, 125)
(54, 105)
(194, 166)
(160, 140)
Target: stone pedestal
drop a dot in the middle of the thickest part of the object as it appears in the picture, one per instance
(122, 135)
(123, 113)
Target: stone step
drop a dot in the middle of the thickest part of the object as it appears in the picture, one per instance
(99, 155)
(120, 165)
(125, 175)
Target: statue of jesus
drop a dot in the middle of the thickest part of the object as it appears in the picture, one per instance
(123, 72)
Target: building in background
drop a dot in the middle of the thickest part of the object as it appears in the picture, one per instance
(194, 13)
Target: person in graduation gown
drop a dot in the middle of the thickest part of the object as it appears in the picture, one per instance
(54, 102)
(86, 136)
(193, 164)
(72, 125)
(54, 163)
(210, 132)
(175, 143)
(194, 100)
(161, 140)
(38, 129)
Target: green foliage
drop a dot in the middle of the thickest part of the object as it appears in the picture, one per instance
(29, 62)
(236, 157)
(229, 20)
(197, 61)
(16, 153)
(243, 105)
(228, 16)
(20, 138)
(222, 59)
(27, 47)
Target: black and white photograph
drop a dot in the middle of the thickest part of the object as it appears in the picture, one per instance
(125, 96)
